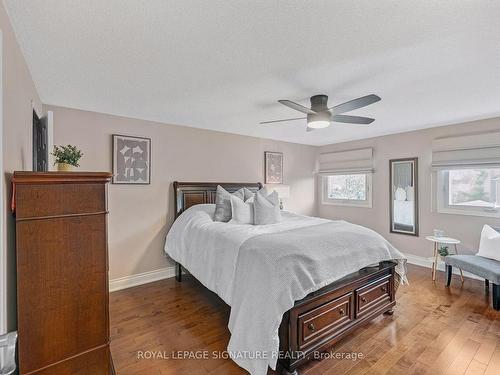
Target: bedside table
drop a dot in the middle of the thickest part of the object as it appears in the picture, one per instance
(443, 241)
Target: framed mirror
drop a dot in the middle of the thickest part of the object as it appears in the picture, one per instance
(404, 196)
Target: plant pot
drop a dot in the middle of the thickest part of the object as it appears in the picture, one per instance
(64, 167)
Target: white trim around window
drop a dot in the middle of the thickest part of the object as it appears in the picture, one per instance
(365, 203)
(443, 197)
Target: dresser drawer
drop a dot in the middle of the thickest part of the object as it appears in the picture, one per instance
(93, 362)
(62, 270)
(321, 321)
(373, 296)
(61, 199)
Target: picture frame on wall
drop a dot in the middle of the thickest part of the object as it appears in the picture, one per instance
(273, 167)
(131, 160)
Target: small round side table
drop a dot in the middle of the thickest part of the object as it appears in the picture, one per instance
(444, 241)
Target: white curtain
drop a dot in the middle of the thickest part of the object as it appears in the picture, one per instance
(466, 151)
(403, 174)
(350, 161)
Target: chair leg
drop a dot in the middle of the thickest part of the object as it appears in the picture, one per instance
(486, 285)
(178, 272)
(461, 273)
(496, 297)
(434, 263)
(449, 271)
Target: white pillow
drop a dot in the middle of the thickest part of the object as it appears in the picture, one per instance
(242, 212)
(410, 193)
(267, 209)
(223, 203)
(400, 194)
(489, 246)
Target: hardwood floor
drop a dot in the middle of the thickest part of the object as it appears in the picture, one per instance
(434, 330)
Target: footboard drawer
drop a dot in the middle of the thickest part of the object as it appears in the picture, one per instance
(373, 296)
(321, 321)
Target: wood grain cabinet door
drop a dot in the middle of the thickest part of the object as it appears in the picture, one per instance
(63, 304)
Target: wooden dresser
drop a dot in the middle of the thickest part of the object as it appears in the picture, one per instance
(62, 272)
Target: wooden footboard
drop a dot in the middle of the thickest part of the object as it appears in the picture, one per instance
(324, 317)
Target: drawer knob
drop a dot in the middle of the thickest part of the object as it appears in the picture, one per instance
(363, 299)
(341, 311)
(311, 327)
(384, 289)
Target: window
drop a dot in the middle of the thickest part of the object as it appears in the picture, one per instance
(348, 189)
(473, 191)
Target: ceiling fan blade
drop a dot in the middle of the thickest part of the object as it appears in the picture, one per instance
(355, 104)
(352, 119)
(297, 107)
(288, 119)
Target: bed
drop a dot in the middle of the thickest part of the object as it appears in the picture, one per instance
(304, 297)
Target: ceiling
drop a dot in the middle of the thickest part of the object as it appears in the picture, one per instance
(222, 65)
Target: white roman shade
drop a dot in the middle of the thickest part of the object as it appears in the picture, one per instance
(352, 161)
(466, 151)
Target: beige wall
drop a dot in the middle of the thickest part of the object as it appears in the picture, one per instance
(19, 96)
(140, 215)
(411, 144)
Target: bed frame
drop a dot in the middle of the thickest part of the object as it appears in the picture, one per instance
(323, 317)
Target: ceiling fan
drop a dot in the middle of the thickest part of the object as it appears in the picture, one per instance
(320, 116)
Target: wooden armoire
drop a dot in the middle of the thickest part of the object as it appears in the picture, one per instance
(62, 272)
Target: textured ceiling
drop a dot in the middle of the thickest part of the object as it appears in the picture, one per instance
(222, 65)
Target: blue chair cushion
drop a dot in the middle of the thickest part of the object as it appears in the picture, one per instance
(484, 267)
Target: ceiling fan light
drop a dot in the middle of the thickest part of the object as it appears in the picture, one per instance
(318, 124)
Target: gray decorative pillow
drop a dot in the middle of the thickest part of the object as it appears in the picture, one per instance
(266, 209)
(248, 194)
(242, 212)
(223, 203)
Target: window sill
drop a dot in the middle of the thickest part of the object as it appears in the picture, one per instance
(347, 204)
(450, 211)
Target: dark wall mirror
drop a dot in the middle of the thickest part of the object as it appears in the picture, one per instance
(404, 196)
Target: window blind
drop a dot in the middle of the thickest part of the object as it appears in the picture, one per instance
(466, 151)
(342, 162)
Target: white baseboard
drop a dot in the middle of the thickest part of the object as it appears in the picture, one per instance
(141, 278)
(427, 262)
(165, 273)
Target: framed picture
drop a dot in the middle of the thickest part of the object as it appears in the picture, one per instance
(273, 167)
(131, 160)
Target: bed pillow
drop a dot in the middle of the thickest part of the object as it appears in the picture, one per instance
(223, 203)
(400, 194)
(248, 194)
(410, 193)
(489, 246)
(241, 212)
(267, 209)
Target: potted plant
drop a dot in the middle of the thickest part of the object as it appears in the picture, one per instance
(66, 157)
(443, 251)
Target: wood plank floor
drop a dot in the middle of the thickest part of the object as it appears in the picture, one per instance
(434, 330)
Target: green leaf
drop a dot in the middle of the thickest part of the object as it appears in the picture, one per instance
(67, 154)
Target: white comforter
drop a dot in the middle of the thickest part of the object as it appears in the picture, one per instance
(260, 271)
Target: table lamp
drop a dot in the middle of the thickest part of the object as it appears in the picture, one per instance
(282, 190)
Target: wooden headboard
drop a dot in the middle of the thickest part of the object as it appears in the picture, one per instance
(188, 194)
